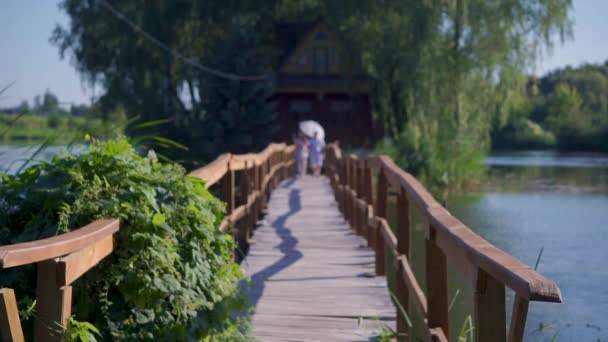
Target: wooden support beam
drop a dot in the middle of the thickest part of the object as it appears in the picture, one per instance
(228, 194)
(518, 319)
(344, 181)
(10, 326)
(382, 193)
(380, 251)
(359, 172)
(73, 266)
(490, 316)
(367, 183)
(403, 248)
(437, 285)
(245, 192)
(53, 304)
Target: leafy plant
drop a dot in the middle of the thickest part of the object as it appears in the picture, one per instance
(172, 277)
(81, 331)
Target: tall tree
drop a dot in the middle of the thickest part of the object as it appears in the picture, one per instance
(149, 58)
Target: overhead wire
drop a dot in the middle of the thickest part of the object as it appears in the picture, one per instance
(231, 76)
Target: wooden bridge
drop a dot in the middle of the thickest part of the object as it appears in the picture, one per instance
(317, 251)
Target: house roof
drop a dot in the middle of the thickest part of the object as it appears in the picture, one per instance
(289, 34)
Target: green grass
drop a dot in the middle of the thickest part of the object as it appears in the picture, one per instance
(29, 129)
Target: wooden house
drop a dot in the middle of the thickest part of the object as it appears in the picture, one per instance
(313, 83)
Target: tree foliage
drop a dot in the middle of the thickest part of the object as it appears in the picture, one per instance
(172, 278)
(150, 82)
(446, 69)
(569, 103)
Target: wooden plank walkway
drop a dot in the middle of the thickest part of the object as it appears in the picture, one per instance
(311, 274)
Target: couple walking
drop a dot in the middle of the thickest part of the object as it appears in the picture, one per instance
(309, 147)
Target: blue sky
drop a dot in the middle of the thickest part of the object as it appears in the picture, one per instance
(27, 57)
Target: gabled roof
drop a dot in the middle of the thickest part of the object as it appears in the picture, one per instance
(288, 36)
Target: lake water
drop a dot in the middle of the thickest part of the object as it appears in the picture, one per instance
(530, 201)
(558, 203)
(14, 158)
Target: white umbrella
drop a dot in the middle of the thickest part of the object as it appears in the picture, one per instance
(310, 127)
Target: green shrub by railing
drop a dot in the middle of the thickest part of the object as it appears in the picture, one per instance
(173, 276)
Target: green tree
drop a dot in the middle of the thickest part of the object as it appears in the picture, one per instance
(50, 103)
(152, 81)
(572, 126)
(446, 69)
(565, 107)
(238, 116)
(24, 107)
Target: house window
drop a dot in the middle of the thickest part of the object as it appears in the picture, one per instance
(340, 106)
(300, 106)
(321, 36)
(321, 60)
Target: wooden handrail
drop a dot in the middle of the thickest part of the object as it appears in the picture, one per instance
(448, 240)
(60, 245)
(214, 171)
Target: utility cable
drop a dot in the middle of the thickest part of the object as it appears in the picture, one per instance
(119, 15)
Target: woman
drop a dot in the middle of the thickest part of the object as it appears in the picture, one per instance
(316, 154)
(301, 143)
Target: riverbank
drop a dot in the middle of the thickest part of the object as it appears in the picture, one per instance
(57, 129)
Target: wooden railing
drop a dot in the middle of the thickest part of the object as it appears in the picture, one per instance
(447, 240)
(62, 259)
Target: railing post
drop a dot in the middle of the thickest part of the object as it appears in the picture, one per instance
(257, 185)
(380, 250)
(360, 179)
(436, 284)
(53, 304)
(355, 195)
(518, 319)
(245, 191)
(263, 189)
(380, 212)
(358, 195)
(10, 325)
(490, 316)
(228, 190)
(346, 162)
(344, 182)
(253, 188)
(403, 248)
(382, 193)
(367, 183)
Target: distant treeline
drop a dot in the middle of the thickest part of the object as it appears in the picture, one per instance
(48, 104)
(46, 121)
(565, 109)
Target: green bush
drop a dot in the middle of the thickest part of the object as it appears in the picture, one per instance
(452, 161)
(54, 120)
(523, 133)
(172, 276)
